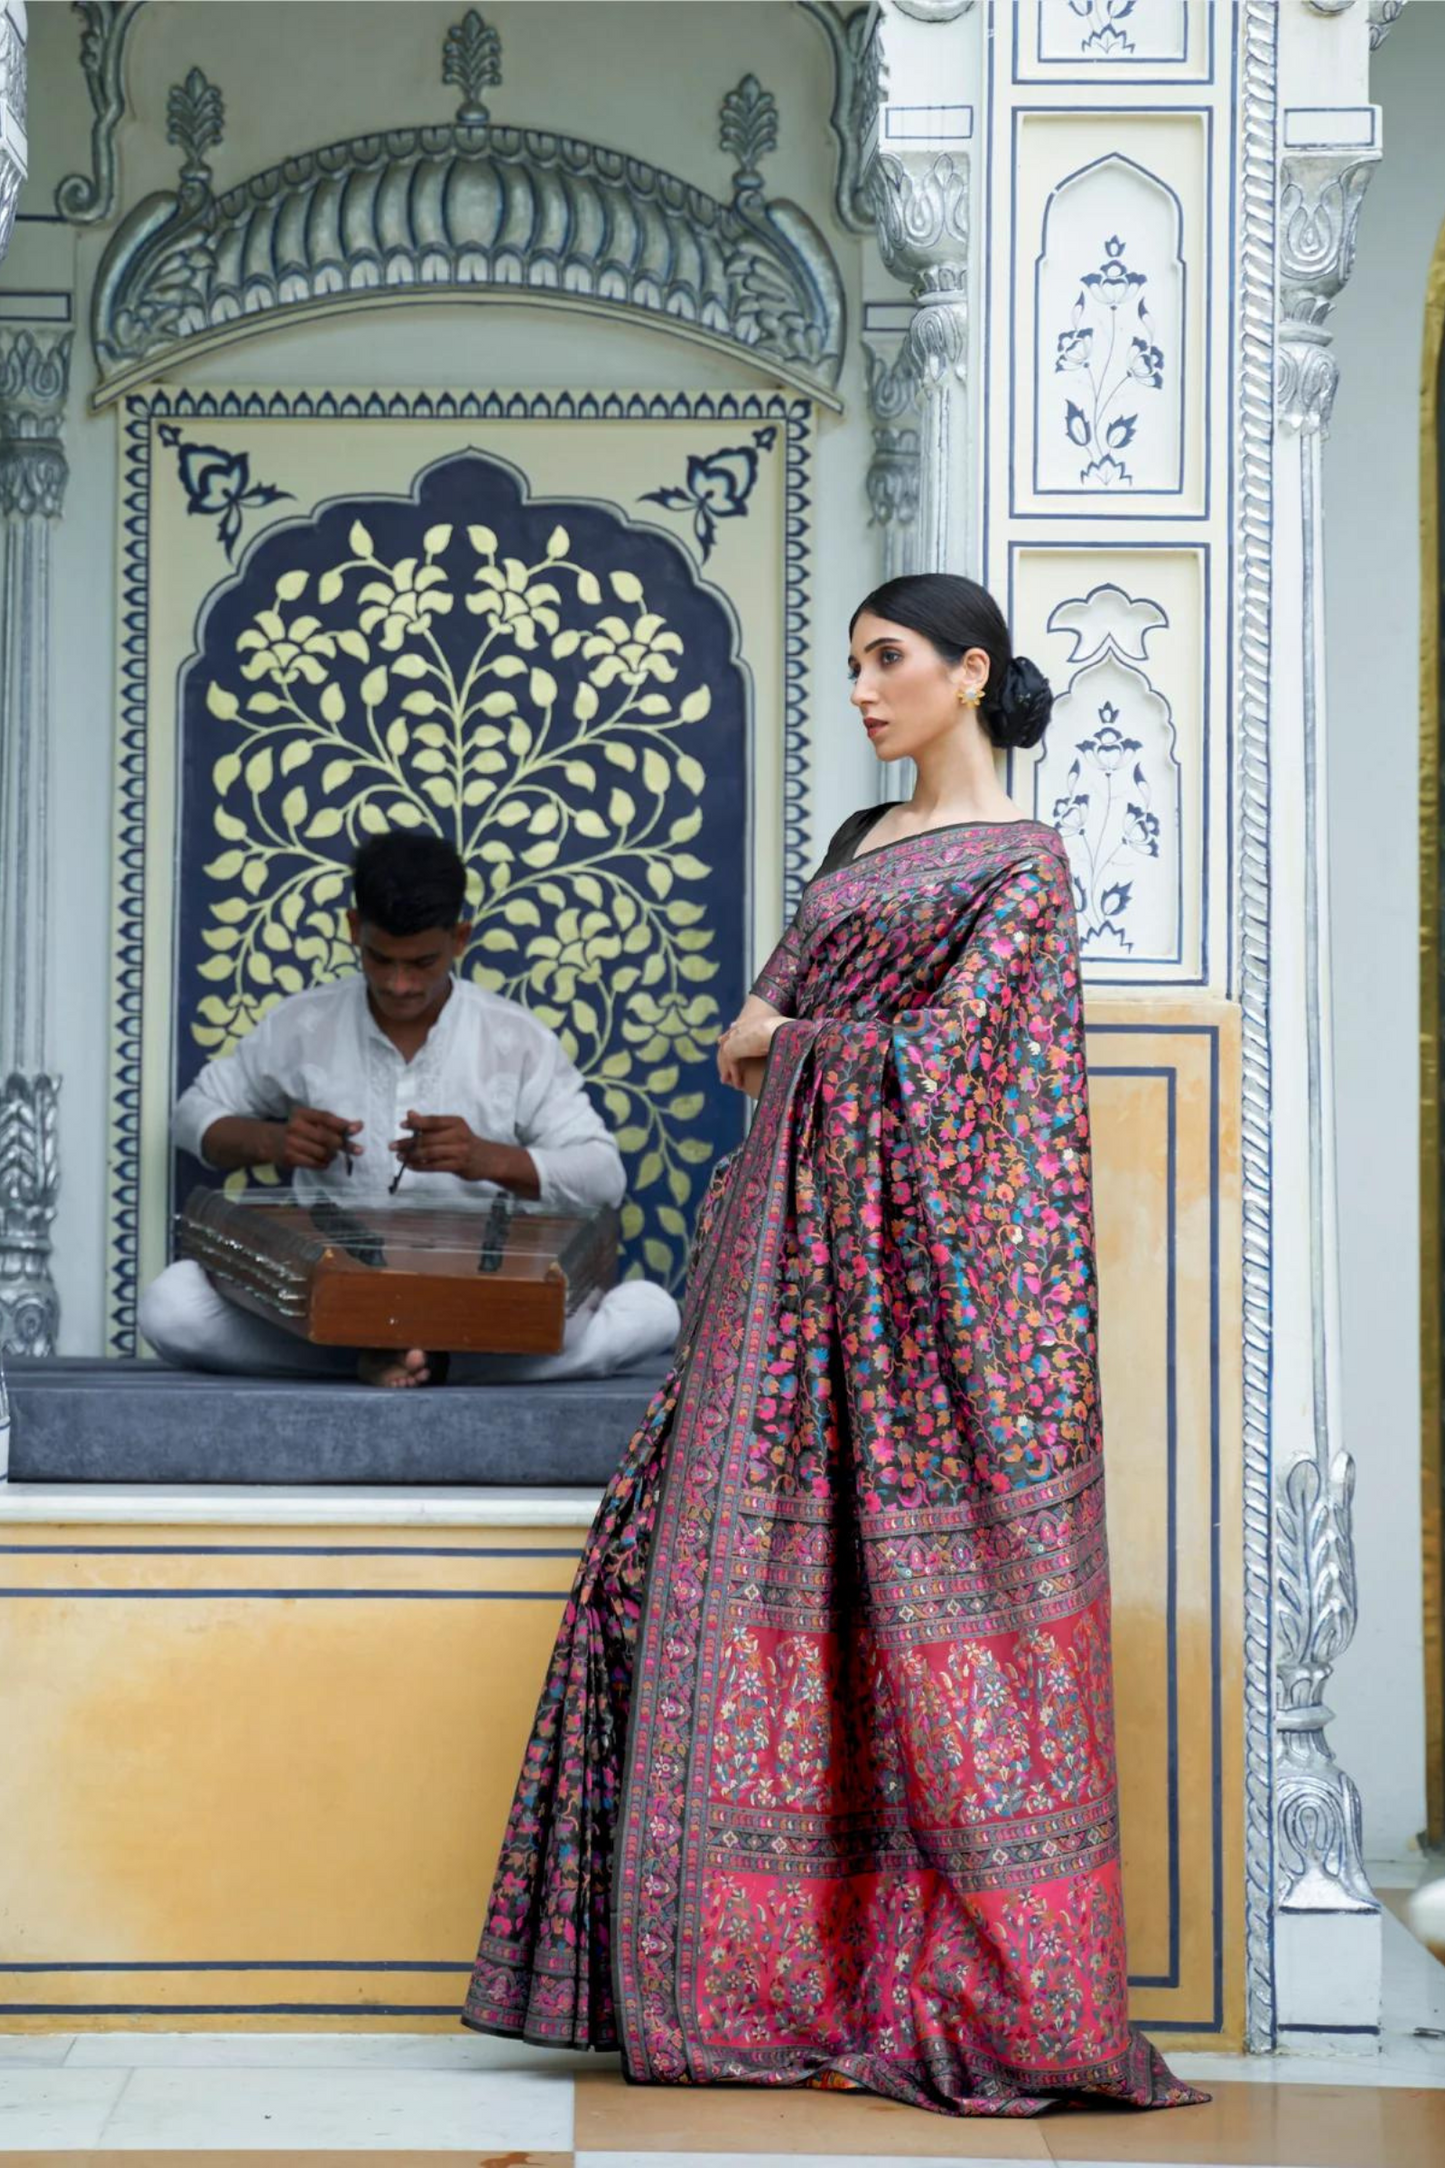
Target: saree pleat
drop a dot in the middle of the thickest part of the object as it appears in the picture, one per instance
(822, 1786)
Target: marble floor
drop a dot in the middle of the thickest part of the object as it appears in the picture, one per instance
(431, 2100)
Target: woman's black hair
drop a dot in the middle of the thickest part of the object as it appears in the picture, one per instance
(956, 614)
(408, 881)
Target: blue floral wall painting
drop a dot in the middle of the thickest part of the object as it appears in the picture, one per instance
(554, 683)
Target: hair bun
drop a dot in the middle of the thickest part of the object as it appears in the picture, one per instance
(1025, 701)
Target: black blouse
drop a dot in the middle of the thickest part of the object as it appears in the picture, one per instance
(850, 835)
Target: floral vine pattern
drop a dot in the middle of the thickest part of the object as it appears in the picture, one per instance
(509, 686)
(718, 486)
(1099, 347)
(218, 484)
(1102, 904)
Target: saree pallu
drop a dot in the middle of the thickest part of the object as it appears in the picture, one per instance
(822, 1785)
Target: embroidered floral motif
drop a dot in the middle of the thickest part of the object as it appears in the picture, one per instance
(847, 1595)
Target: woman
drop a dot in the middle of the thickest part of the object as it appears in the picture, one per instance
(822, 1787)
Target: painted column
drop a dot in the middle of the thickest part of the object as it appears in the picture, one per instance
(13, 150)
(918, 183)
(916, 179)
(34, 376)
(1327, 1920)
(894, 475)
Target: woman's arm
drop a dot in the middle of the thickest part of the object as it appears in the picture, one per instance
(742, 1053)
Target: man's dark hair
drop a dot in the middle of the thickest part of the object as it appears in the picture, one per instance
(408, 881)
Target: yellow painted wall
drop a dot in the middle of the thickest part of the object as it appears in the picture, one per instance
(257, 1776)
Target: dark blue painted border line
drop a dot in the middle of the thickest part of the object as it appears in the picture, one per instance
(1169, 1075)
(1211, 1032)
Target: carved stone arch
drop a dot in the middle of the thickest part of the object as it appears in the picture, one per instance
(468, 210)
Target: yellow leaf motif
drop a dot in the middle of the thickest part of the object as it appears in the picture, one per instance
(497, 727)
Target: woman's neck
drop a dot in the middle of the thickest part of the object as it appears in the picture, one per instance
(957, 783)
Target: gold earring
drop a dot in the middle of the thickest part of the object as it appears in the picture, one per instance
(970, 696)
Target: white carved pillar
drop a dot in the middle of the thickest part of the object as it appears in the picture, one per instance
(922, 484)
(894, 470)
(918, 181)
(893, 495)
(1327, 1922)
(34, 375)
(13, 154)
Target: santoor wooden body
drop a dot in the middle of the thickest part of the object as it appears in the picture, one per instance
(498, 1280)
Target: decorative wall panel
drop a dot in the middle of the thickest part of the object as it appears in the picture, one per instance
(565, 632)
(1125, 769)
(1109, 318)
(1111, 41)
(1163, 1090)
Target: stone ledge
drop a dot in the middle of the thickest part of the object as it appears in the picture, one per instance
(127, 1423)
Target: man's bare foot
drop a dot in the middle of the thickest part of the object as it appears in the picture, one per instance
(393, 1366)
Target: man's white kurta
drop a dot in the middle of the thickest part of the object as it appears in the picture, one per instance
(484, 1058)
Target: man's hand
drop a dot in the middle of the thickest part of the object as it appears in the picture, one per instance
(312, 1138)
(445, 1144)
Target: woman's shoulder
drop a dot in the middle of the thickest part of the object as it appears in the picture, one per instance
(848, 835)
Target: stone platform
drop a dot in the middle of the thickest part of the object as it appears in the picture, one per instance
(85, 1421)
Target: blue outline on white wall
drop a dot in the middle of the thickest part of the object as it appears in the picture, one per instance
(1108, 550)
(1105, 750)
(789, 411)
(1115, 250)
(1104, 503)
(1069, 68)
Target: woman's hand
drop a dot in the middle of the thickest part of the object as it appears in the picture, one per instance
(742, 1050)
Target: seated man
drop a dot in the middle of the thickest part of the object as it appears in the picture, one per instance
(404, 1076)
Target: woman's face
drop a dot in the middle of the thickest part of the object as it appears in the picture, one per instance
(906, 693)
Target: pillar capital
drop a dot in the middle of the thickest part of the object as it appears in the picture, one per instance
(34, 382)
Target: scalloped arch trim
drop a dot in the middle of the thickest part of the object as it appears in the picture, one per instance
(467, 211)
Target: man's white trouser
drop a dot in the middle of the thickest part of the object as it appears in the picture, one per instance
(189, 1323)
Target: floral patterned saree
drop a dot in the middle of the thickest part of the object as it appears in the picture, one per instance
(822, 1786)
